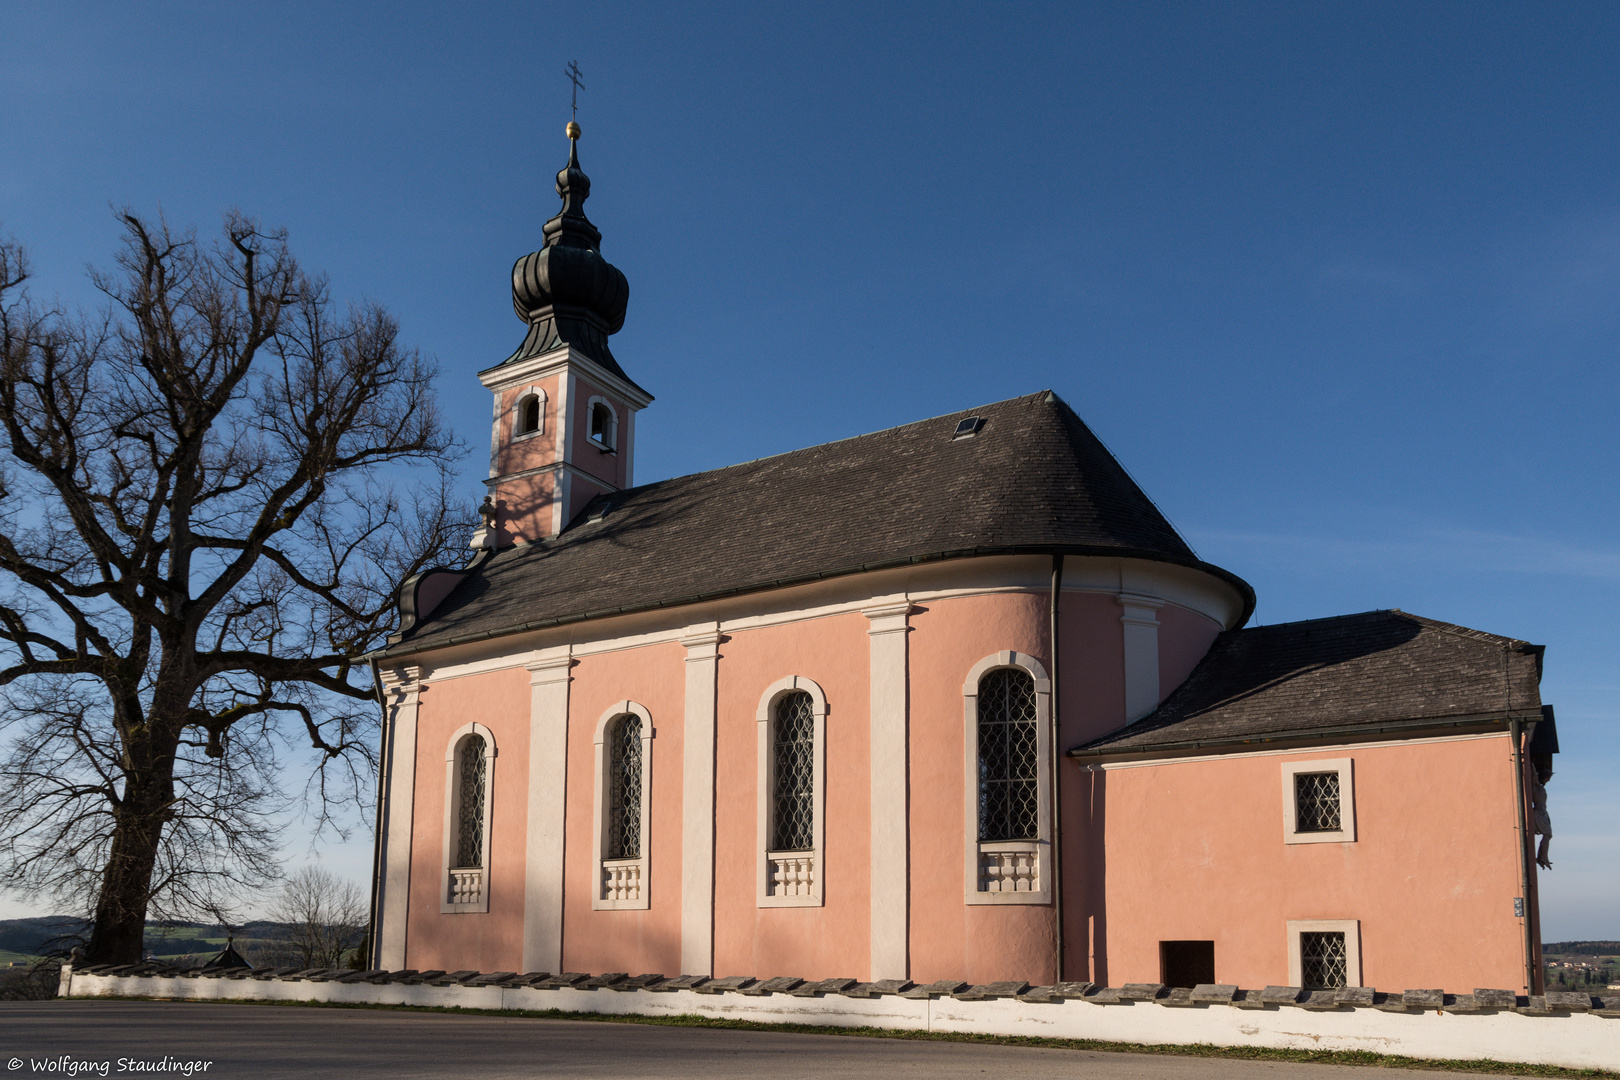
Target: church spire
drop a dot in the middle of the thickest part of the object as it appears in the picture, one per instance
(566, 291)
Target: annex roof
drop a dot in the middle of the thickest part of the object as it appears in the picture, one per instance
(1376, 671)
(1032, 479)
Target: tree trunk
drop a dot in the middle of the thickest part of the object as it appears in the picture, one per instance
(120, 930)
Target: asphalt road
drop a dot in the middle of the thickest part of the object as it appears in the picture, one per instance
(281, 1041)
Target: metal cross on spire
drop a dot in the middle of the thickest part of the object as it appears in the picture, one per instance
(572, 71)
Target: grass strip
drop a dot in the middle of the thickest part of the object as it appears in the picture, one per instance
(1203, 1050)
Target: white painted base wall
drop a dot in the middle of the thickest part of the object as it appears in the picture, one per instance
(1578, 1040)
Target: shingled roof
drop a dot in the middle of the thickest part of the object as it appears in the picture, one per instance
(1034, 479)
(1379, 671)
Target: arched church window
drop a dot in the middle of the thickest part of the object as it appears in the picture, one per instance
(1009, 770)
(624, 801)
(469, 776)
(792, 723)
(1007, 825)
(623, 778)
(794, 790)
(528, 414)
(602, 424)
(470, 805)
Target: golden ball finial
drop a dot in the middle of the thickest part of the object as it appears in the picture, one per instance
(573, 130)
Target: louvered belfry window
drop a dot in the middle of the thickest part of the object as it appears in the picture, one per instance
(470, 810)
(1009, 803)
(1316, 800)
(624, 790)
(793, 828)
(1324, 962)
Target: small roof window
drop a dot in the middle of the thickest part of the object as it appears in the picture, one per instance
(969, 426)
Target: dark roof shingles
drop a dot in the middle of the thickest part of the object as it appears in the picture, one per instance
(1375, 667)
(1034, 478)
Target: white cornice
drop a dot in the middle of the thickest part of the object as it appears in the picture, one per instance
(553, 467)
(530, 369)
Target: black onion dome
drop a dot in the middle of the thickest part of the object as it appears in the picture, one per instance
(566, 291)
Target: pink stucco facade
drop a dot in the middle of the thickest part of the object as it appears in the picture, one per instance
(1195, 850)
(1154, 851)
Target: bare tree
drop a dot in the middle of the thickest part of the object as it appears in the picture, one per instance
(202, 522)
(325, 918)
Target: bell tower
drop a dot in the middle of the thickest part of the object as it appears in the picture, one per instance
(564, 427)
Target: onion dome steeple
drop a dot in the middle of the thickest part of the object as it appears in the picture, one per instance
(566, 291)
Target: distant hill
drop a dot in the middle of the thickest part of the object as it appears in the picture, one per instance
(58, 933)
(32, 936)
(1581, 948)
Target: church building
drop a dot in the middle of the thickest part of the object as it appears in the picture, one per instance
(952, 700)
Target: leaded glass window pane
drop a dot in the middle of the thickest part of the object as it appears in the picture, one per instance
(1316, 797)
(1009, 803)
(795, 772)
(470, 811)
(1324, 962)
(624, 788)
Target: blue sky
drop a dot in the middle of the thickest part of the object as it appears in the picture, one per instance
(1338, 283)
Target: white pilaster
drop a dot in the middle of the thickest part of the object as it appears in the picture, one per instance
(1141, 631)
(403, 690)
(548, 796)
(887, 630)
(697, 800)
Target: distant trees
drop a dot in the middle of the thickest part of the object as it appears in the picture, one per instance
(325, 918)
(205, 505)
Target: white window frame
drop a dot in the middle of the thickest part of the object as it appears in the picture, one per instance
(641, 901)
(1346, 832)
(517, 414)
(612, 440)
(766, 786)
(1351, 928)
(1038, 850)
(452, 821)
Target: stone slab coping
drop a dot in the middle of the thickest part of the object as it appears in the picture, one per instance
(730, 982)
(935, 989)
(986, 991)
(877, 989)
(822, 986)
(1482, 1000)
(779, 985)
(1072, 991)
(494, 978)
(368, 975)
(567, 980)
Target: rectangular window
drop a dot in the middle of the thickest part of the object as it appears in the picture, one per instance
(1324, 954)
(1324, 962)
(1186, 963)
(1316, 802)
(1319, 801)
